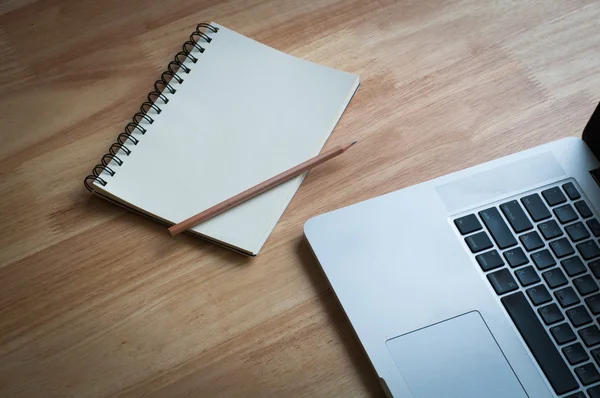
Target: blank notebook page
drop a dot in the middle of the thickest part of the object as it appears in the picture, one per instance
(243, 114)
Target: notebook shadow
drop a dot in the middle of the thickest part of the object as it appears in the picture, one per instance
(219, 254)
(151, 226)
(336, 316)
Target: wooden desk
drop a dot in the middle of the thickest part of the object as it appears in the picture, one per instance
(96, 301)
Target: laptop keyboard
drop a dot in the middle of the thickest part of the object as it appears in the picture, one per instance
(540, 254)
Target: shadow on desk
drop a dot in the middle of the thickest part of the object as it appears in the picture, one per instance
(306, 349)
(144, 226)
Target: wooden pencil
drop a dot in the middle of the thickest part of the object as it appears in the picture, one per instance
(258, 189)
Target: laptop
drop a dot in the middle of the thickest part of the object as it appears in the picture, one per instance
(480, 283)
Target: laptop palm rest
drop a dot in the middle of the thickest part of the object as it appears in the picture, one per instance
(456, 358)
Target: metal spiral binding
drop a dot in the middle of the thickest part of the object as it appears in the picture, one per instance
(172, 73)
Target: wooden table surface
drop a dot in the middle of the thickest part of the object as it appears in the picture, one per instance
(96, 301)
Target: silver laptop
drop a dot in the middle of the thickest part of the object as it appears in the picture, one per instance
(480, 283)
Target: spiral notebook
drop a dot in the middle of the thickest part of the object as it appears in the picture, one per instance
(227, 114)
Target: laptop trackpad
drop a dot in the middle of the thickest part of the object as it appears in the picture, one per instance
(458, 358)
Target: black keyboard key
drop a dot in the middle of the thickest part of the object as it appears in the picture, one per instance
(550, 229)
(590, 335)
(571, 191)
(578, 394)
(516, 216)
(467, 224)
(489, 260)
(573, 266)
(579, 316)
(555, 278)
(478, 242)
(577, 231)
(593, 303)
(585, 285)
(539, 295)
(567, 297)
(588, 250)
(595, 268)
(541, 346)
(535, 207)
(515, 257)
(531, 241)
(563, 333)
(575, 353)
(596, 355)
(583, 209)
(587, 374)
(565, 214)
(543, 259)
(594, 226)
(502, 281)
(594, 392)
(498, 229)
(551, 314)
(554, 196)
(527, 276)
(561, 247)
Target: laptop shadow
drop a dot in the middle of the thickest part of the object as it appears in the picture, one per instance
(337, 317)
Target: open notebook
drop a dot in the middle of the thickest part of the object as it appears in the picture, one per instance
(233, 114)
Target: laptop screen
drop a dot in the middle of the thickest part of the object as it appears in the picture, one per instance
(591, 133)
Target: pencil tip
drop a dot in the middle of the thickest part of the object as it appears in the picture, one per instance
(347, 146)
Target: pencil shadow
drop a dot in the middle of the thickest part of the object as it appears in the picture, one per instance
(337, 317)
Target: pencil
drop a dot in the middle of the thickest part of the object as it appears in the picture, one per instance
(257, 189)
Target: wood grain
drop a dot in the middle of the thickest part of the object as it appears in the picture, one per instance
(96, 302)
